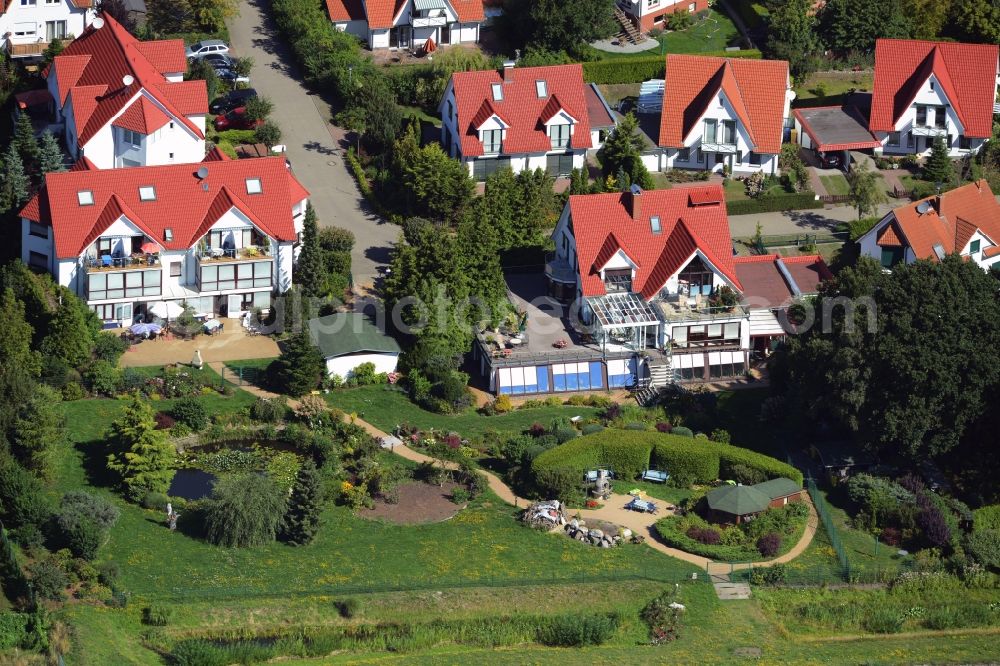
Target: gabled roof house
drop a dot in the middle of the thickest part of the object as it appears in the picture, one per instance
(29, 26)
(521, 118)
(654, 273)
(124, 102)
(219, 236)
(724, 113)
(926, 89)
(963, 221)
(408, 24)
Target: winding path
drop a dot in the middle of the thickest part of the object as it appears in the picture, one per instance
(613, 511)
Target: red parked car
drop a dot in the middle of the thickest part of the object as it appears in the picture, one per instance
(236, 119)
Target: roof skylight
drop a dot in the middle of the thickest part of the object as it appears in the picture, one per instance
(147, 193)
(497, 92)
(85, 198)
(254, 186)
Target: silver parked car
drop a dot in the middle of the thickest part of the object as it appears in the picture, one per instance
(205, 47)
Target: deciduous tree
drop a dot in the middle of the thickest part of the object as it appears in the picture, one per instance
(866, 190)
(244, 511)
(854, 25)
(792, 35)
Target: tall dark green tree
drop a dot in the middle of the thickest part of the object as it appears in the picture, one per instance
(383, 120)
(623, 152)
(792, 35)
(14, 190)
(976, 20)
(310, 271)
(20, 365)
(854, 25)
(556, 26)
(918, 380)
(939, 168)
(68, 337)
(432, 183)
(24, 140)
(50, 157)
(140, 453)
(300, 366)
(38, 430)
(301, 521)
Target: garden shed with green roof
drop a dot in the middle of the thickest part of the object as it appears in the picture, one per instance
(733, 504)
(349, 339)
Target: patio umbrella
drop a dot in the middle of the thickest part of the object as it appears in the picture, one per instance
(149, 247)
(139, 329)
(430, 46)
(166, 309)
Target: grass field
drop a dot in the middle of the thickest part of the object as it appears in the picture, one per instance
(835, 184)
(386, 407)
(829, 88)
(714, 32)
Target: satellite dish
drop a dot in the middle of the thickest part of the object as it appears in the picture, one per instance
(203, 172)
(128, 80)
(98, 23)
(923, 207)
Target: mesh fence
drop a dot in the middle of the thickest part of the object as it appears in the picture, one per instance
(831, 530)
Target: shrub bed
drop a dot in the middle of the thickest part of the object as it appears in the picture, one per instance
(774, 203)
(770, 534)
(630, 451)
(637, 70)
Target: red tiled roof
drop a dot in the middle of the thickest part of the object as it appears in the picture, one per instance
(94, 67)
(485, 112)
(142, 116)
(597, 113)
(888, 237)
(215, 155)
(166, 55)
(599, 218)
(521, 108)
(991, 251)
(383, 13)
(950, 220)
(181, 203)
(82, 4)
(755, 88)
(345, 10)
(966, 72)
(468, 11)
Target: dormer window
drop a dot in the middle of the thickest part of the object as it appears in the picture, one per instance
(541, 89)
(147, 193)
(654, 224)
(254, 186)
(559, 135)
(85, 198)
(492, 140)
(497, 92)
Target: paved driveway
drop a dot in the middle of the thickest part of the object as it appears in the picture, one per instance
(315, 146)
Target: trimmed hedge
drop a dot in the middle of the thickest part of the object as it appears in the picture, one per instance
(637, 70)
(677, 539)
(774, 203)
(631, 451)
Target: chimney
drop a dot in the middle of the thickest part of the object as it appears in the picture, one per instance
(633, 201)
(508, 71)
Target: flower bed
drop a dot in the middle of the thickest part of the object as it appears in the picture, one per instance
(752, 540)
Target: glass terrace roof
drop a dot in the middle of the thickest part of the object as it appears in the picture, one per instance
(618, 310)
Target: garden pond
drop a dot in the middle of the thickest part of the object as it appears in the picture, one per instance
(201, 467)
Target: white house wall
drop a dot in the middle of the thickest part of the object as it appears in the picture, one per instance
(921, 145)
(343, 366)
(16, 13)
(378, 39)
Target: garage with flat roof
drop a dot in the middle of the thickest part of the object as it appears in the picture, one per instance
(829, 128)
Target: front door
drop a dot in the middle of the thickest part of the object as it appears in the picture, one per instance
(445, 34)
(393, 38)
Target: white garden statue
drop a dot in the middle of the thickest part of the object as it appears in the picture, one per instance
(197, 362)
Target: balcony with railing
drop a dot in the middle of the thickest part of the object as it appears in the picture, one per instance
(680, 307)
(129, 282)
(30, 47)
(216, 255)
(107, 263)
(240, 274)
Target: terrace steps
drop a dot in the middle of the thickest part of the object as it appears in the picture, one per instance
(632, 34)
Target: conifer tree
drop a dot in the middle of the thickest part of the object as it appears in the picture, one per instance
(310, 271)
(301, 520)
(938, 168)
(68, 337)
(14, 192)
(50, 157)
(300, 366)
(24, 140)
(140, 453)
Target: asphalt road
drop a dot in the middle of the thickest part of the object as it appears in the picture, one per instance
(315, 146)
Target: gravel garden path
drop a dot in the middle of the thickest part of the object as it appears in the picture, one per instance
(613, 511)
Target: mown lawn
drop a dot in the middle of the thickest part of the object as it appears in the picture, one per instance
(386, 407)
(711, 31)
(835, 184)
(829, 88)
